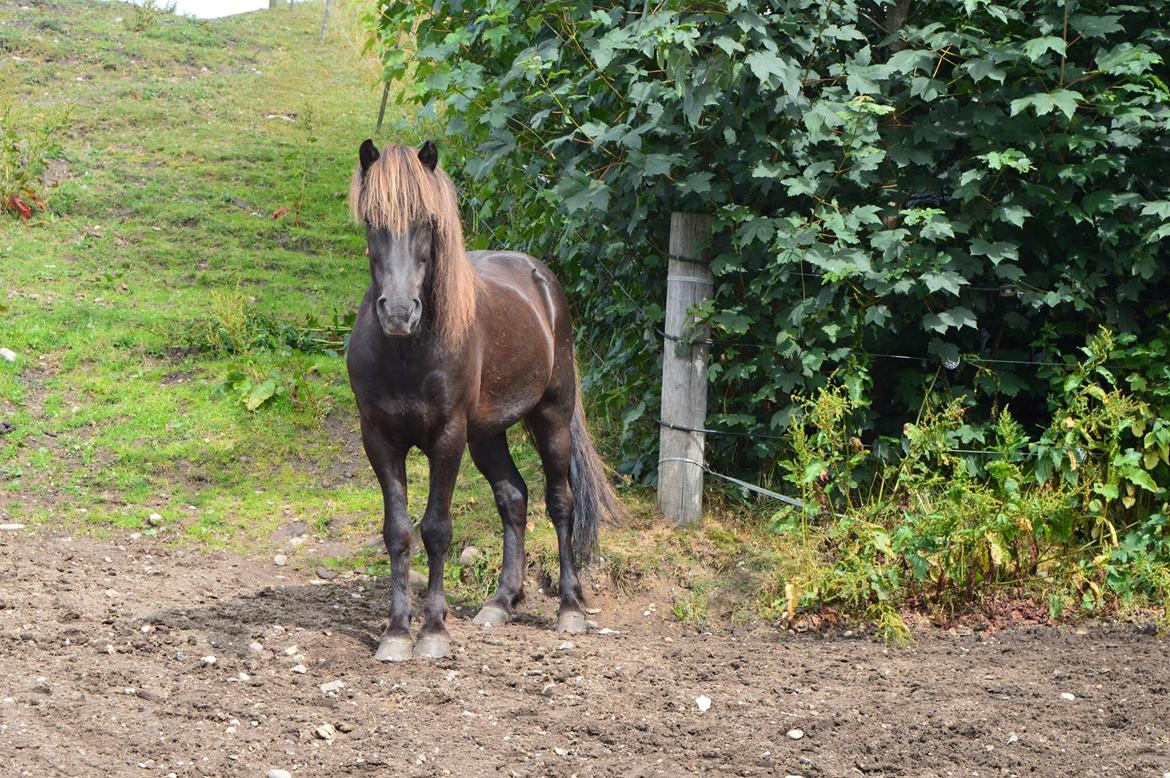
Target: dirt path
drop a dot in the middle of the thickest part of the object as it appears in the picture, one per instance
(102, 645)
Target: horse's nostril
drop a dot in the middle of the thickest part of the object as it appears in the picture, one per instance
(382, 303)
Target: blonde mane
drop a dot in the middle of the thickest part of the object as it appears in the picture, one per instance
(396, 192)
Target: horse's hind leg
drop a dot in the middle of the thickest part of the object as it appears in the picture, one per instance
(493, 459)
(549, 423)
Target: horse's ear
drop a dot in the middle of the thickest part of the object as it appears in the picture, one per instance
(429, 155)
(368, 154)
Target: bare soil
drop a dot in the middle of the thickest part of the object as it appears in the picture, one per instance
(102, 645)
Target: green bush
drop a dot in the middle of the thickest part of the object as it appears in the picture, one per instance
(939, 528)
(903, 198)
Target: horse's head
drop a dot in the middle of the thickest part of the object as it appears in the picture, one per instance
(401, 255)
(418, 269)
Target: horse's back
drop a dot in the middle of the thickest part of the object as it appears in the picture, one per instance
(509, 267)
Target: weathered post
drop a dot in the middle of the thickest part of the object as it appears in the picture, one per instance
(684, 370)
(325, 21)
(382, 108)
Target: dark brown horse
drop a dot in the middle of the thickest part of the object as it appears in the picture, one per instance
(451, 348)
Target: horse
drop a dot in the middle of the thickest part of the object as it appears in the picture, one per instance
(449, 349)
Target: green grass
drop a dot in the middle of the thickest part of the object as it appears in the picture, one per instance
(176, 169)
(159, 263)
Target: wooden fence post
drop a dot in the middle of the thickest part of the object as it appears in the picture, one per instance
(684, 370)
(325, 21)
(382, 108)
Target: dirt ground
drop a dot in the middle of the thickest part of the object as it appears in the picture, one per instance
(103, 645)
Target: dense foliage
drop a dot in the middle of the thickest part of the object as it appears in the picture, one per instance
(930, 204)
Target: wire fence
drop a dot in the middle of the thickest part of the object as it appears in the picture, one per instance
(1007, 290)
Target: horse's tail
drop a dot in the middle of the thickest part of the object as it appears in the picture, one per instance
(594, 500)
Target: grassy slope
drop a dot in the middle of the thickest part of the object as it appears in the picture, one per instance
(166, 225)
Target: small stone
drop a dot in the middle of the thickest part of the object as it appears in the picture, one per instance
(607, 631)
(279, 774)
(795, 734)
(1013, 738)
(8, 354)
(154, 519)
(418, 581)
(568, 645)
(469, 555)
(332, 687)
(325, 574)
(292, 650)
(299, 540)
(298, 669)
(343, 726)
(1067, 696)
(208, 660)
(280, 560)
(704, 703)
(559, 751)
(547, 689)
(325, 732)
(11, 527)
(256, 647)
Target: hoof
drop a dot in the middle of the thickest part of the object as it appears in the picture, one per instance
(572, 622)
(433, 646)
(393, 649)
(491, 616)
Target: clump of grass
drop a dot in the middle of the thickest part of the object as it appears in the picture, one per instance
(24, 152)
(691, 605)
(146, 14)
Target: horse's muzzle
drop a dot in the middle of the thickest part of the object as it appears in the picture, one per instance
(399, 321)
(397, 330)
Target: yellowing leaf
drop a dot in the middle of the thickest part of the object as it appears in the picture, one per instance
(791, 599)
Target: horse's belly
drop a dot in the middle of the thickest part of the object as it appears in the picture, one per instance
(496, 411)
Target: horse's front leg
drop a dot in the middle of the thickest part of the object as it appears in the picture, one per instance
(389, 464)
(445, 455)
